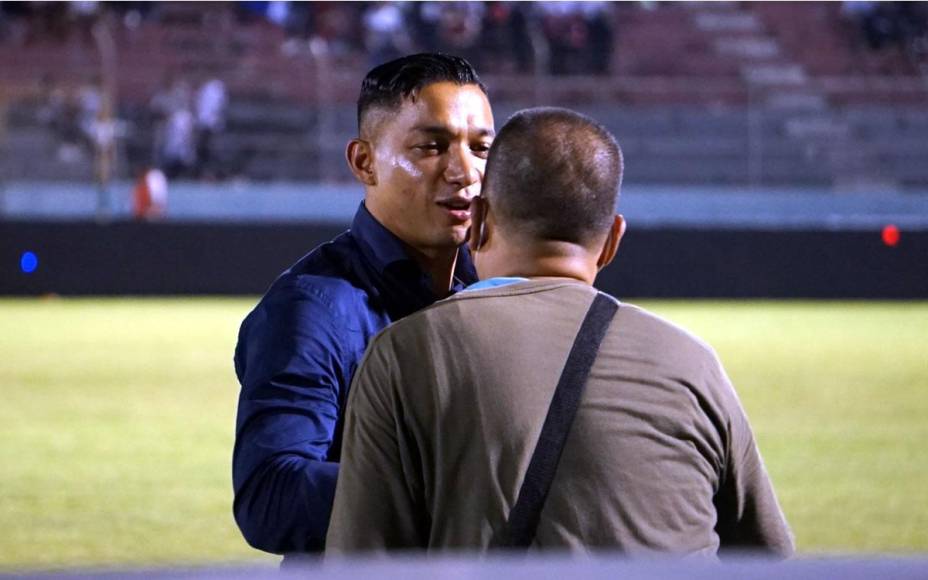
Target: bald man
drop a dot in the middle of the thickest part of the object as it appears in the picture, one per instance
(446, 408)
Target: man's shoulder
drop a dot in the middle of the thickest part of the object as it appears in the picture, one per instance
(320, 282)
(654, 332)
(537, 298)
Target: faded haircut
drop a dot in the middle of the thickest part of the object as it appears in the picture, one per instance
(387, 85)
(554, 174)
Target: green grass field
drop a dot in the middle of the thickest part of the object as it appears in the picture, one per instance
(117, 416)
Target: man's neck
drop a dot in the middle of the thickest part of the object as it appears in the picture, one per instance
(438, 263)
(537, 260)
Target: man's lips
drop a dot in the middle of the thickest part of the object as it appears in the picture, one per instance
(458, 208)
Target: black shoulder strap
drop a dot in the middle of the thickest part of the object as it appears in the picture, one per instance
(519, 531)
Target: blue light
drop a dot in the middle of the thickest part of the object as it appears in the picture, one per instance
(28, 262)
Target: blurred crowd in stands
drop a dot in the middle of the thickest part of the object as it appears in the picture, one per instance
(183, 120)
(30, 22)
(575, 37)
(889, 24)
(187, 113)
(71, 113)
(186, 119)
(560, 37)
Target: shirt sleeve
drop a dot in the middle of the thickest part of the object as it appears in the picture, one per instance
(378, 500)
(749, 515)
(291, 361)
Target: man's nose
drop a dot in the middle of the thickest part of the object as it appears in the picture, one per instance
(462, 169)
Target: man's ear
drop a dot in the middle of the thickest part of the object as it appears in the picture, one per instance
(479, 232)
(360, 157)
(611, 245)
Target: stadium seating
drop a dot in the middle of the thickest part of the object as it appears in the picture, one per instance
(702, 93)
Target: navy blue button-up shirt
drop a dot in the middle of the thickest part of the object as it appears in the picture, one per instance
(296, 354)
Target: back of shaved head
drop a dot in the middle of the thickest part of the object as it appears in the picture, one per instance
(554, 174)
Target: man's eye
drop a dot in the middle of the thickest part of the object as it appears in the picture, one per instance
(481, 149)
(428, 146)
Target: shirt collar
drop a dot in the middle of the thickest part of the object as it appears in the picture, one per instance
(380, 245)
(495, 282)
(383, 248)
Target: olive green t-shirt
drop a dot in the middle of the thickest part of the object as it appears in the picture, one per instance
(447, 405)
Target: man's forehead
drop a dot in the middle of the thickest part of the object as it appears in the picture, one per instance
(447, 106)
(444, 106)
(445, 129)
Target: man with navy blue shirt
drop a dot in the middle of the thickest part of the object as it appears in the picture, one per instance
(425, 129)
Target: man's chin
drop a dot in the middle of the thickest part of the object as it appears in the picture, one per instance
(459, 234)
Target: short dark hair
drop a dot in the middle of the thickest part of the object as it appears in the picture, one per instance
(554, 174)
(386, 85)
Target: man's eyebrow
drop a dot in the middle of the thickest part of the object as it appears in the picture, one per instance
(441, 130)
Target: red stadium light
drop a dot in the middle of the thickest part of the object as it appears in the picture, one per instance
(890, 235)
